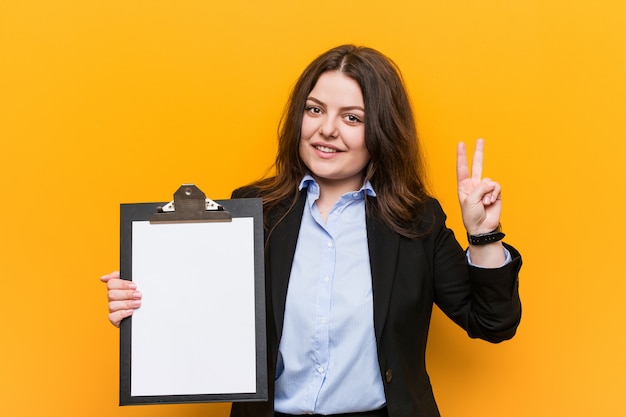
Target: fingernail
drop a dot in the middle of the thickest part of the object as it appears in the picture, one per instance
(135, 303)
(132, 286)
(137, 294)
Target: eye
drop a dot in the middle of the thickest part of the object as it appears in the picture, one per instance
(353, 119)
(313, 109)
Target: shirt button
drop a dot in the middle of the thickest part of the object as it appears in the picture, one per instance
(330, 244)
(320, 369)
(388, 375)
(324, 321)
(326, 279)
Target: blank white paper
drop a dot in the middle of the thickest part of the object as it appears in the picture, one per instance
(195, 330)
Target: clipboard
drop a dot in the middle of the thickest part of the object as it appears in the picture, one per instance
(200, 333)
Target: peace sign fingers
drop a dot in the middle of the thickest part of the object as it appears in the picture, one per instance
(479, 197)
(462, 167)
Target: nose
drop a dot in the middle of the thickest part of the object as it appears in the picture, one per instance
(328, 128)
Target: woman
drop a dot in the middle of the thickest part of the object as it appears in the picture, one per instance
(357, 251)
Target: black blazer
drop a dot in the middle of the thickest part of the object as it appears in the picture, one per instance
(408, 276)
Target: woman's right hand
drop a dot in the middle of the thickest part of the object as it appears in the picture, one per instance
(123, 297)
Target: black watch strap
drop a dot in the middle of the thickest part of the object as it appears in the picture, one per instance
(486, 238)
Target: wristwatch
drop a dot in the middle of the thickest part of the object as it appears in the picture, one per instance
(486, 238)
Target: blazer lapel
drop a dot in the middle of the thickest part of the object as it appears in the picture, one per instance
(282, 248)
(383, 251)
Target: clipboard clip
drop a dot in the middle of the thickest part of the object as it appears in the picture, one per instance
(190, 205)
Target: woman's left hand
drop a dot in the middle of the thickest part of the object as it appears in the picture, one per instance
(480, 198)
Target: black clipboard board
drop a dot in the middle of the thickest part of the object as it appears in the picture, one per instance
(200, 334)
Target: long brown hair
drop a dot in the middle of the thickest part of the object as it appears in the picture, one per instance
(395, 169)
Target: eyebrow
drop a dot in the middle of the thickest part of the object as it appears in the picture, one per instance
(347, 108)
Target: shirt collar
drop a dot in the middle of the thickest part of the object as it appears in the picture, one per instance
(312, 186)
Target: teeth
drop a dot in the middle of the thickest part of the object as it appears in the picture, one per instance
(325, 149)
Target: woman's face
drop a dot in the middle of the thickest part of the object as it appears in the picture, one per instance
(332, 143)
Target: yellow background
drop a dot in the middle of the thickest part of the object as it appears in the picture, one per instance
(105, 102)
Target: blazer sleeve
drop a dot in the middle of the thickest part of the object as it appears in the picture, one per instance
(484, 302)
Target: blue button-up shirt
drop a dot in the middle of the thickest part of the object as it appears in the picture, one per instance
(327, 361)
